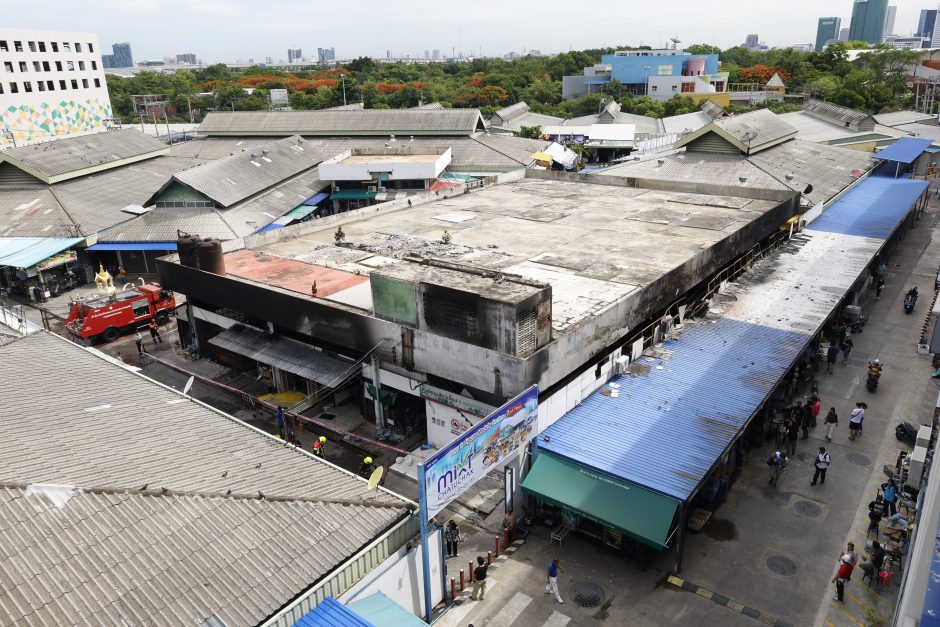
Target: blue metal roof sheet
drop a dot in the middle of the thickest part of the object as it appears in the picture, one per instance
(666, 430)
(873, 208)
(905, 150)
(384, 612)
(332, 613)
(930, 617)
(26, 252)
(132, 246)
(317, 198)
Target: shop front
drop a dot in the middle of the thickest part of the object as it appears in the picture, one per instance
(40, 268)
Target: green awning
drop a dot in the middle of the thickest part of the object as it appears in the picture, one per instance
(643, 515)
(352, 194)
(301, 212)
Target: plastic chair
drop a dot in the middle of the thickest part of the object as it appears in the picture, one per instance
(884, 578)
(873, 528)
(871, 576)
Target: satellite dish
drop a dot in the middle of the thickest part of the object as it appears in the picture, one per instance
(375, 477)
(188, 386)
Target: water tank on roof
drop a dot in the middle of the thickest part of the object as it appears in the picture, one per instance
(695, 67)
(186, 247)
(210, 256)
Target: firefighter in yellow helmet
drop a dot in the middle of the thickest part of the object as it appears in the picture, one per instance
(365, 468)
(319, 447)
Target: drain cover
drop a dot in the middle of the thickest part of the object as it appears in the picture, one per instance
(586, 594)
(858, 459)
(807, 508)
(780, 565)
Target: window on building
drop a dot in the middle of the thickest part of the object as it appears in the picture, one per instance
(55, 46)
(62, 85)
(42, 46)
(97, 83)
(8, 66)
(18, 46)
(14, 89)
(27, 86)
(688, 88)
(653, 88)
(90, 47)
(45, 66)
(74, 83)
(37, 67)
(66, 46)
(70, 65)
(81, 65)
(665, 70)
(85, 83)
(23, 67)
(3, 46)
(32, 46)
(41, 85)
(719, 87)
(673, 88)
(78, 47)
(58, 66)
(1, 88)
(50, 85)
(94, 65)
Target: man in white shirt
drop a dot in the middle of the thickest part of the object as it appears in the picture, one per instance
(822, 464)
(855, 420)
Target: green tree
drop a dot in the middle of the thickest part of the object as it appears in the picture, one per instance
(702, 49)
(531, 132)
(543, 91)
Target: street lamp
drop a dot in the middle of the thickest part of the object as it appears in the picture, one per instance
(343, 78)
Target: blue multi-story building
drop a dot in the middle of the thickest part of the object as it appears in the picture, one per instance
(657, 73)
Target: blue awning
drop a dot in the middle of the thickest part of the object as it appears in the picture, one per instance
(332, 613)
(100, 246)
(873, 208)
(316, 198)
(905, 150)
(26, 252)
(385, 612)
(270, 227)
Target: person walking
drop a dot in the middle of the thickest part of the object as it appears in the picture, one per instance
(155, 332)
(793, 434)
(846, 349)
(879, 285)
(452, 538)
(777, 463)
(139, 341)
(832, 355)
(814, 409)
(832, 419)
(890, 491)
(479, 579)
(822, 465)
(855, 421)
(843, 574)
(509, 526)
(552, 586)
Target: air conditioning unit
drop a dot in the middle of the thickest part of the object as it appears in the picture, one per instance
(373, 188)
(621, 364)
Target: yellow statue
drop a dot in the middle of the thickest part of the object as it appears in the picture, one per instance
(103, 279)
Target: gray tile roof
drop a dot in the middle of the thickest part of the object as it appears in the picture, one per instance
(116, 553)
(431, 106)
(896, 118)
(235, 178)
(370, 122)
(161, 225)
(748, 132)
(33, 213)
(355, 106)
(843, 116)
(67, 158)
(697, 167)
(507, 114)
(250, 215)
(644, 124)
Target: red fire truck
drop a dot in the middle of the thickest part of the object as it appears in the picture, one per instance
(130, 309)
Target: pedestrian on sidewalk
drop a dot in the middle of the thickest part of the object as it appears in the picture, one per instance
(814, 409)
(822, 464)
(155, 332)
(843, 575)
(879, 285)
(846, 349)
(479, 579)
(452, 538)
(832, 354)
(777, 463)
(139, 341)
(793, 434)
(509, 526)
(855, 421)
(890, 491)
(280, 422)
(552, 586)
(832, 419)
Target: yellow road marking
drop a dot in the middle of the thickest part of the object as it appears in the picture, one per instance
(860, 602)
(675, 580)
(836, 606)
(702, 592)
(737, 607)
(828, 623)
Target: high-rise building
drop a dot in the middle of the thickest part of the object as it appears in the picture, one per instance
(269, 60)
(427, 53)
(751, 41)
(928, 17)
(435, 54)
(121, 56)
(189, 57)
(326, 54)
(868, 21)
(827, 30)
(294, 54)
(889, 20)
(844, 33)
(52, 85)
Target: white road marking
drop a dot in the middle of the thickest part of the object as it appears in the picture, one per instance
(512, 610)
(557, 619)
(851, 391)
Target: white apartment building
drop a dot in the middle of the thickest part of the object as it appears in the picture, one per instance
(51, 84)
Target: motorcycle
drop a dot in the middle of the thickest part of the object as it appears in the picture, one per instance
(909, 301)
(874, 374)
(906, 432)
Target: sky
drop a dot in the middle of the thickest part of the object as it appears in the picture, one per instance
(229, 30)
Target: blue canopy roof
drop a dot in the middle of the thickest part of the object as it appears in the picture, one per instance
(332, 613)
(316, 198)
(384, 612)
(873, 208)
(270, 227)
(132, 246)
(26, 252)
(905, 150)
(667, 429)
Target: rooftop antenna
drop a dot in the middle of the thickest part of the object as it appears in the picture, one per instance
(675, 42)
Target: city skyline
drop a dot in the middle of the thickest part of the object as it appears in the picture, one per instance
(422, 25)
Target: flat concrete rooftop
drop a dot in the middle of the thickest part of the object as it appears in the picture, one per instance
(595, 244)
(391, 159)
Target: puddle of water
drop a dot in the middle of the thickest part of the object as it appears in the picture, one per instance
(720, 529)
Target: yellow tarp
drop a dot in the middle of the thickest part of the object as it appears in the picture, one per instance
(542, 156)
(284, 398)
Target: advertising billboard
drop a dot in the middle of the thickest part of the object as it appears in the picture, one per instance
(469, 458)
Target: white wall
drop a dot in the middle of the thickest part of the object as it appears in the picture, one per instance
(400, 578)
(561, 402)
(337, 169)
(445, 424)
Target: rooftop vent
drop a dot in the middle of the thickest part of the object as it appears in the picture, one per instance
(264, 152)
(789, 177)
(742, 180)
(391, 138)
(661, 162)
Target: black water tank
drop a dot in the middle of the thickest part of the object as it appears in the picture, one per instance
(186, 247)
(210, 256)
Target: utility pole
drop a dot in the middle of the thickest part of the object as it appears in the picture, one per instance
(343, 78)
(377, 397)
(189, 103)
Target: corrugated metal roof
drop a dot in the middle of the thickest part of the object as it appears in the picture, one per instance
(508, 113)
(844, 116)
(162, 225)
(384, 612)
(284, 353)
(235, 178)
(332, 613)
(431, 106)
(904, 150)
(375, 122)
(129, 555)
(685, 123)
(33, 213)
(699, 167)
(665, 430)
(756, 129)
(66, 158)
(25, 252)
(873, 208)
(896, 118)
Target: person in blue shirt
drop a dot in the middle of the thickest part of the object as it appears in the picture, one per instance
(891, 497)
(552, 586)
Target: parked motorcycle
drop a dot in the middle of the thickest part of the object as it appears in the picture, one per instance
(909, 299)
(906, 432)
